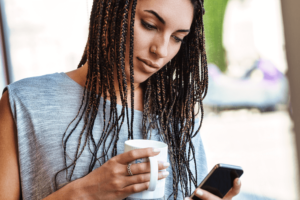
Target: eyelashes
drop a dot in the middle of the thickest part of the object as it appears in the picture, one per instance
(150, 27)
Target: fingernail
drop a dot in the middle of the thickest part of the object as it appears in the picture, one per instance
(166, 164)
(165, 174)
(238, 182)
(156, 150)
(199, 192)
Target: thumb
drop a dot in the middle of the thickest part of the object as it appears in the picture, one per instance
(235, 190)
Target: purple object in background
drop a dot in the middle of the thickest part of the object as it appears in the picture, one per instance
(226, 91)
(269, 70)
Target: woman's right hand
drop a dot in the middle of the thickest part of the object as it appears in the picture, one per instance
(112, 181)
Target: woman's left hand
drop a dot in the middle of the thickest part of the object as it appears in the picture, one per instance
(204, 195)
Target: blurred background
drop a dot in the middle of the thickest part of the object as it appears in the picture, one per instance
(247, 121)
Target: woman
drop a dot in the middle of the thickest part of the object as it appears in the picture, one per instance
(62, 135)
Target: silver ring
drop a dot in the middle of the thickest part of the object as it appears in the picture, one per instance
(128, 170)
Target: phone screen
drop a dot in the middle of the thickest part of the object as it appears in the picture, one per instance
(220, 181)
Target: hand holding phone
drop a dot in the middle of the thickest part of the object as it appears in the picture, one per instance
(220, 180)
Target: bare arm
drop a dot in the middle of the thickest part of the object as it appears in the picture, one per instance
(68, 192)
(9, 166)
(10, 188)
(111, 180)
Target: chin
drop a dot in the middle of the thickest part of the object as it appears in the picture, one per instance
(140, 77)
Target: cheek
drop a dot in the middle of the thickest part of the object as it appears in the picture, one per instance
(173, 50)
(142, 38)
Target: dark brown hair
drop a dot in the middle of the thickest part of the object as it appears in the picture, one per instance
(170, 95)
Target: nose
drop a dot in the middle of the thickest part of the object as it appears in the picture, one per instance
(162, 44)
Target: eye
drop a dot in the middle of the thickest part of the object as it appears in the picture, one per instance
(177, 39)
(148, 26)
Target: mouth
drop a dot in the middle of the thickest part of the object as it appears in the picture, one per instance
(149, 63)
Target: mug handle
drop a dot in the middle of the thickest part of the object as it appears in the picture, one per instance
(153, 173)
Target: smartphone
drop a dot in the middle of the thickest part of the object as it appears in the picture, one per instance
(220, 180)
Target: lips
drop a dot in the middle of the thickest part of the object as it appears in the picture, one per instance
(149, 63)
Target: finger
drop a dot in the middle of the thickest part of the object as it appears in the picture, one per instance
(142, 178)
(132, 155)
(135, 188)
(235, 190)
(142, 168)
(204, 195)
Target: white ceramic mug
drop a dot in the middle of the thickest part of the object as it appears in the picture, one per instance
(156, 188)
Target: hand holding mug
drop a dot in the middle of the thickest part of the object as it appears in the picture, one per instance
(156, 188)
(112, 181)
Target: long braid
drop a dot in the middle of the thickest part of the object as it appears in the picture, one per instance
(104, 78)
(113, 106)
(131, 63)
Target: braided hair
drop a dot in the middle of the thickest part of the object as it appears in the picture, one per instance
(170, 95)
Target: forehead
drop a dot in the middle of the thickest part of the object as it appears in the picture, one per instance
(174, 12)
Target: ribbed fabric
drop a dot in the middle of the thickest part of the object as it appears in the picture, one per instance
(42, 108)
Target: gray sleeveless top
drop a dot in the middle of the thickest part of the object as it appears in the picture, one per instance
(42, 108)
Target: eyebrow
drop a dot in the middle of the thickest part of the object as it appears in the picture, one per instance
(163, 21)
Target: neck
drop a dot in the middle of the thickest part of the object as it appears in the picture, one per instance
(136, 86)
(138, 93)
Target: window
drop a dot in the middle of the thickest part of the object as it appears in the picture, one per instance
(247, 122)
(5, 62)
(2, 78)
(46, 36)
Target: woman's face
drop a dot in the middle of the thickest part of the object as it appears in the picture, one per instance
(159, 26)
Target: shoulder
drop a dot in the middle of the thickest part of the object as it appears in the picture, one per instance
(36, 83)
(31, 91)
(5, 112)
(9, 170)
(33, 86)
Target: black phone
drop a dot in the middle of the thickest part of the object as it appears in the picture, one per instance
(220, 180)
